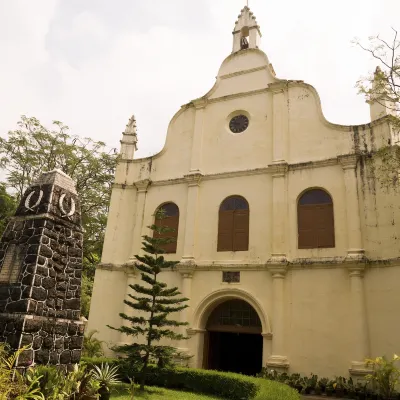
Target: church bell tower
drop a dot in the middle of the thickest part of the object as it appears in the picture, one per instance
(247, 34)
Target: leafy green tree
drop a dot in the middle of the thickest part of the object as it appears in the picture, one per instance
(7, 207)
(33, 148)
(152, 305)
(383, 87)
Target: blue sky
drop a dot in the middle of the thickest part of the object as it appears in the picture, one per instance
(94, 63)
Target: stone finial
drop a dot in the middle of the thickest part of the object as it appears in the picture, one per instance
(131, 128)
(129, 140)
(57, 177)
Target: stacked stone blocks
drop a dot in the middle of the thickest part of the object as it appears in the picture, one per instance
(40, 274)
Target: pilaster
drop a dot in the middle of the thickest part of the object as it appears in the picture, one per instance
(193, 181)
(142, 187)
(280, 122)
(197, 146)
(131, 278)
(355, 246)
(186, 272)
(278, 360)
(279, 213)
(359, 331)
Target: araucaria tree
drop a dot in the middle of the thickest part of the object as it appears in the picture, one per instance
(153, 303)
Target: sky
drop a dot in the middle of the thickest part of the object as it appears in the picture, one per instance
(93, 63)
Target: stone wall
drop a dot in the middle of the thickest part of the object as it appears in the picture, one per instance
(40, 274)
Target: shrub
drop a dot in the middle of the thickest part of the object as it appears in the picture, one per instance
(226, 385)
(385, 375)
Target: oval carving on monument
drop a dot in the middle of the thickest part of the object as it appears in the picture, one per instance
(65, 213)
(28, 199)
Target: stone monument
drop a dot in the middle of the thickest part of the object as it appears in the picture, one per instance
(40, 274)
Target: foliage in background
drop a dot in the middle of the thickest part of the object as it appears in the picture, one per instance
(8, 206)
(153, 304)
(92, 347)
(86, 293)
(33, 148)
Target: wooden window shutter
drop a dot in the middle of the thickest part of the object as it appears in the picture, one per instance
(315, 220)
(233, 225)
(325, 226)
(225, 231)
(171, 220)
(307, 239)
(241, 230)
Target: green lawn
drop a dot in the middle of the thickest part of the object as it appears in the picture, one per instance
(154, 393)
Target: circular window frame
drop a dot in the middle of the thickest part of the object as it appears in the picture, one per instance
(236, 114)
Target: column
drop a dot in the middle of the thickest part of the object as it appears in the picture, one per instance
(278, 359)
(193, 180)
(359, 331)
(131, 275)
(279, 213)
(142, 187)
(355, 246)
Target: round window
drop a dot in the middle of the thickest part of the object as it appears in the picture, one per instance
(239, 124)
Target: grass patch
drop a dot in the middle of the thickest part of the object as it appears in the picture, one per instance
(155, 393)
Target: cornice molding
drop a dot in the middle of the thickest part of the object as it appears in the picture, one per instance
(279, 169)
(295, 264)
(239, 95)
(123, 186)
(313, 164)
(200, 103)
(193, 178)
(348, 161)
(244, 72)
(143, 185)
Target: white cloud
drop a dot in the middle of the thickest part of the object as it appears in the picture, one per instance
(91, 65)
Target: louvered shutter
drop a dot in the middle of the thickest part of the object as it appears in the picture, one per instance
(306, 227)
(170, 222)
(324, 225)
(225, 231)
(241, 230)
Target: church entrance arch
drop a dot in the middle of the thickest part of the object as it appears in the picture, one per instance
(233, 340)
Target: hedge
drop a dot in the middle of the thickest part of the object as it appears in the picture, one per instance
(226, 385)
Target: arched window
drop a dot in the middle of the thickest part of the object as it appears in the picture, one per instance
(233, 225)
(171, 220)
(315, 220)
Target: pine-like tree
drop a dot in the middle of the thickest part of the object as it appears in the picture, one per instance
(153, 304)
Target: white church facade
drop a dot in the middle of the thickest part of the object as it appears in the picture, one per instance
(288, 245)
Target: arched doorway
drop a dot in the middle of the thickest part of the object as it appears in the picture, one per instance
(233, 340)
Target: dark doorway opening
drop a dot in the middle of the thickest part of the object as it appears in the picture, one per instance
(233, 341)
(235, 352)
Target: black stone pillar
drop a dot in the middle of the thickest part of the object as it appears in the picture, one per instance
(40, 274)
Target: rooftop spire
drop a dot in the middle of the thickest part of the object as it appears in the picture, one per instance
(246, 34)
